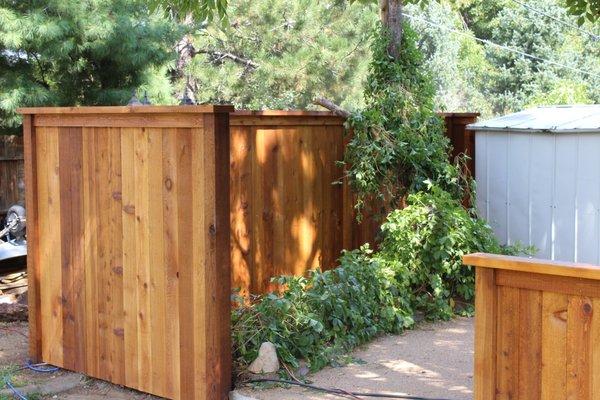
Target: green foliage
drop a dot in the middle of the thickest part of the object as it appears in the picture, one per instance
(75, 52)
(397, 140)
(299, 50)
(311, 48)
(201, 10)
(561, 91)
(584, 9)
(424, 244)
(322, 317)
(458, 64)
(511, 81)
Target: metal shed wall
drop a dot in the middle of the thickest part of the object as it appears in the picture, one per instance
(542, 189)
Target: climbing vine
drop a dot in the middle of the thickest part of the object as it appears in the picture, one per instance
(397, 141)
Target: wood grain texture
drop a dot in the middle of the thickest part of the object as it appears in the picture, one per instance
(131, 253)
(547, 333)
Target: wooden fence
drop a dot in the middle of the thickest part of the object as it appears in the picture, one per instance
(12, 185)
(537, 329)
(287, 215)
(128, 231)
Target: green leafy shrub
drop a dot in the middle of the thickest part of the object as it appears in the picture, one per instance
(322, 317)
(424, 244)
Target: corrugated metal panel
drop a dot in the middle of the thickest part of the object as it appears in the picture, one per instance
(518, 177)
(557, 119)
(497, 156)
(481, 174)
(542, 190)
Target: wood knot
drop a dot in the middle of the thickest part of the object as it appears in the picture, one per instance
(168, 184)
(120, 332)
(212, 229)
(129, 209)
(587, 308)
(561, 314)
(118, 270)
(117, 196)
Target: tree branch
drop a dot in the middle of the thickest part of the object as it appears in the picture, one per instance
(331, 106)
(220, 55)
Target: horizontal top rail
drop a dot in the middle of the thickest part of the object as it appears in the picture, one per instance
(459, 114)
(142, 109)
(284, 118)
(533, 265)
(284, 113)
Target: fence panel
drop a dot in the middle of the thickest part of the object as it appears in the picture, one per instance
(537, 325)
(286, 210)
(287, 214)
(129, 245)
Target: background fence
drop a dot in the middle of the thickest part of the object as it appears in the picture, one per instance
(287, 213)
(12, 186)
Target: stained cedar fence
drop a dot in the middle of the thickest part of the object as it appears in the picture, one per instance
(12, 185)
(128, 230)
(537, 329)
(287, 215)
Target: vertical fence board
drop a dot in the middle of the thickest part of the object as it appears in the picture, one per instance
(530, 344)
(507, 353)
(554, 345)
(579, 350)
(115, 221)
(90, 250)
(33, 262)
(170, 161)
(53, 272)
(129, 256)
(486, 304)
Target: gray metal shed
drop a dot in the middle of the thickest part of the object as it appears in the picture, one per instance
(538, 179)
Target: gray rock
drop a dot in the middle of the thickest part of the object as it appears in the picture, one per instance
(235, 395)
(267, 361)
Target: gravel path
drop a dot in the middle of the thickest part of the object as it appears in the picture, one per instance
(434, 360)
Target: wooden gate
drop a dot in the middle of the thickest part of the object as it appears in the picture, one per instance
(128, 228)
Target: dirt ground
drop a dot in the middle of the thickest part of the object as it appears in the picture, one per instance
(434, 360)
(58, 385)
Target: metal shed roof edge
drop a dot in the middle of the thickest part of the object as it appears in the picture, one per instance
(514, 130)
(546, 119)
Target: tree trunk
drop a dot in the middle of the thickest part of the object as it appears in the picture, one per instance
(390, 12)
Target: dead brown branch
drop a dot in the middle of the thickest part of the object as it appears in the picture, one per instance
(331, 106)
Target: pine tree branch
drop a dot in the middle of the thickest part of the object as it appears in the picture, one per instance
(331, 106)
(220, 55)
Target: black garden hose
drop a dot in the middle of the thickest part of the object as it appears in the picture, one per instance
(343, 393)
